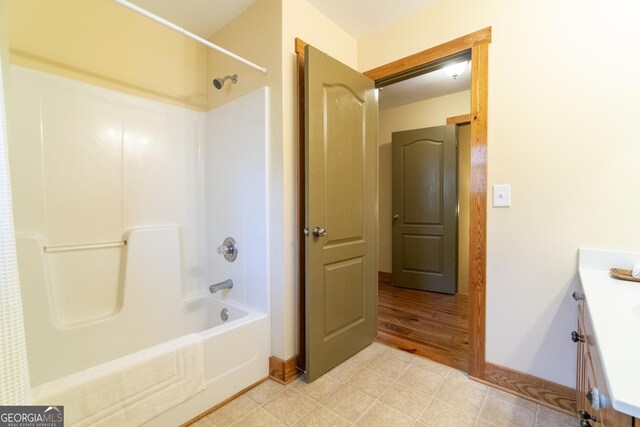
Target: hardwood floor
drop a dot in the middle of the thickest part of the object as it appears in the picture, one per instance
(426, 323)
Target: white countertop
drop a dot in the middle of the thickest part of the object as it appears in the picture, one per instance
(614, 306)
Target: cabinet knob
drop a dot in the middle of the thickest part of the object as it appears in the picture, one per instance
(598, 400)
(578, 296)
(576, 337)
(586, 416)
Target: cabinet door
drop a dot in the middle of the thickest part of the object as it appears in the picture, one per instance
(595, 378)
(581, 378)
(590, 382)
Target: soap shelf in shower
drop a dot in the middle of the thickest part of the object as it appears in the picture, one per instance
(83, 247)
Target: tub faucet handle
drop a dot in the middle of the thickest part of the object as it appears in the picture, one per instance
(228, 249)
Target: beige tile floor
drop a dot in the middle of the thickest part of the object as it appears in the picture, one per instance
(384, 386)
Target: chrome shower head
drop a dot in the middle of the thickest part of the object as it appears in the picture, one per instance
(218, 83)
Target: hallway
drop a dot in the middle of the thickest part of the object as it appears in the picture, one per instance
(430, 324)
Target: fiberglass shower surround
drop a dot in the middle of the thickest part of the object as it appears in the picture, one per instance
(92, 167)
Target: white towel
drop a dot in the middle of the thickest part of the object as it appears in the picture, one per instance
(131, 390)
(636, 270)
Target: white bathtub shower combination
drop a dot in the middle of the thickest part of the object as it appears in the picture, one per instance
(155, 188)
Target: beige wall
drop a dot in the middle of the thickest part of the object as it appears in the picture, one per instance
(102, 43)
(240, 36)
(562, 98)
(4, 40)
(432, 112)
(464, 191)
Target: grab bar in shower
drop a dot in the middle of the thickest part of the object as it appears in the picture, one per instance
(69, 248)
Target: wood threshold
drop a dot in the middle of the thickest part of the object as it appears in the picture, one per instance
(224, 402)
(284, 372)
(546, 393)
(459, 120)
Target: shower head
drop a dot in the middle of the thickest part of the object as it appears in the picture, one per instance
(218, 83)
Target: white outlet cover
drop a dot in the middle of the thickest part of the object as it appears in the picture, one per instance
(502, 195)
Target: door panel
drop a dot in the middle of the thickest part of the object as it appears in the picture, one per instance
(423, 253)
(341, 197)
(425, 202)
(344, 284)
(422, 163)
(344, 165)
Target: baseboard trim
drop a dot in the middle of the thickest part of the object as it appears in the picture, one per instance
(543, 392)
(282, 371)
(224, 402)
(384, 276)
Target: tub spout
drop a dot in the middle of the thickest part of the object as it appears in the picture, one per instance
(227, 284)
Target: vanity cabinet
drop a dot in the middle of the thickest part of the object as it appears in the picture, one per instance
(592, 394)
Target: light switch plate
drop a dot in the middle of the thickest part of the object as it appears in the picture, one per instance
(502, 195)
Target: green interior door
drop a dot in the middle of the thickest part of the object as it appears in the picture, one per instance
(341, 199)
(424, 200)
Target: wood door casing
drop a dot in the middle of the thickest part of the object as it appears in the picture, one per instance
(425, 205)
(341, 197)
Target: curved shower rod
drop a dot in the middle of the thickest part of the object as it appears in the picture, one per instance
(181, 30)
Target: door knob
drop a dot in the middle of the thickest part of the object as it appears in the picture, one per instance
(585, 423)
(317, 232)
(576, 337)
(396, 217)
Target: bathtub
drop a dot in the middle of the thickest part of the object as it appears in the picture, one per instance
(235, 342)
(148, 309)
(236, 356)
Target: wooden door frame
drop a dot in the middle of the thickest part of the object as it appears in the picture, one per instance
(478, 43)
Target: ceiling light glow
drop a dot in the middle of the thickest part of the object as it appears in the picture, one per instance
(455, 70)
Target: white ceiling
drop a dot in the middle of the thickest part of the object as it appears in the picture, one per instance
(357, 17)
(362, 17)
(420, 88)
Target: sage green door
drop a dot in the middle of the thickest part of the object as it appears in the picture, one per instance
(424, 200)
(340, 212)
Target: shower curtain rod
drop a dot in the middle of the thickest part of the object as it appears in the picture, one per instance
(181, 30)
